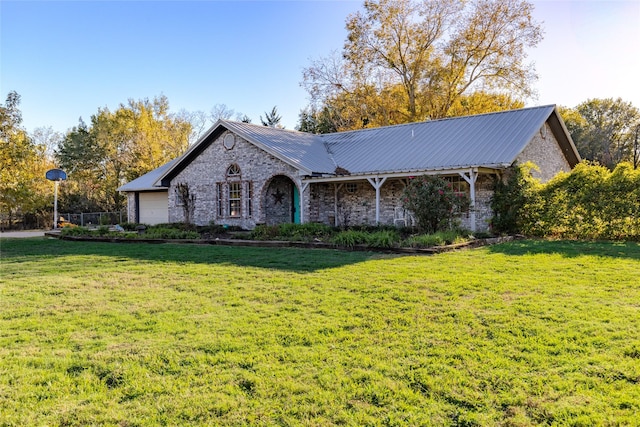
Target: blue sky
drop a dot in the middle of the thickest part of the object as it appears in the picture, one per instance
(68, 59)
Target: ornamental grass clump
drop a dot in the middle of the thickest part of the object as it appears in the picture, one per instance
(440, 238)
(434, 203)
(305, 232)
(169, 233)
(384, 239)
(350, 238)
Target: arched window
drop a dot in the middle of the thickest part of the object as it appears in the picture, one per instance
(233, 171)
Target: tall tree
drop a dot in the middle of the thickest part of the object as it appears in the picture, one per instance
(272, 119)
(23, 163)
(48, 139)
(120, 146)
(408, 60)
(318, 122)
(603, 129)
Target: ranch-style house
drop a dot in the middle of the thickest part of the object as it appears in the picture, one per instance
(240, 174)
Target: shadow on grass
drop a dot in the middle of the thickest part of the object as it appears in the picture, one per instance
(569, 248)
(287, 259)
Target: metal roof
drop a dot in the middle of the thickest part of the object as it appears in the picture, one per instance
(147, 181)
(492, 140)
(303, 150)
(489, 140)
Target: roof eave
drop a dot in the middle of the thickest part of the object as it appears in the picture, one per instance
(563, 136)
(487, 168)
(141, 189)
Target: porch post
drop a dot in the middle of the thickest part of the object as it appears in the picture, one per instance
(471, 178)
(377, 183)
(302, 190)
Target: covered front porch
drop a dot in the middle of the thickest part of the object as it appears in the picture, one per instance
(376, 199)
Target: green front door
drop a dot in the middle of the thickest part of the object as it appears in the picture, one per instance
(296, 205)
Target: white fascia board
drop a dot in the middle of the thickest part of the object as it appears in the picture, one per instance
(405, 174)
(142, 190)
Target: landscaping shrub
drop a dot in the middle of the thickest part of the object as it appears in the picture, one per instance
(169, 233)
(295, 232)
(433, 202)
(265, 232)
(307, 232)
(511, 194)
(212, 229)
(130, 226)
(350, 238)
(75, 231)
(440, 238)
(383, 239)
(591, 202)
(103, 230)
(173, 225)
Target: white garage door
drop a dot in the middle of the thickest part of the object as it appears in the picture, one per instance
(154, 207)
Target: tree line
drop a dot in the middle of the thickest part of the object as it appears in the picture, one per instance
(113, 148)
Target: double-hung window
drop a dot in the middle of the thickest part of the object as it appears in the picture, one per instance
(235, 199)
(234, 191)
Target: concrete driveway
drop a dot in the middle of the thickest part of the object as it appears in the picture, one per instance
(22, 234)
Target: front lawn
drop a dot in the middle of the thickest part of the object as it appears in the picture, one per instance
(518, 334)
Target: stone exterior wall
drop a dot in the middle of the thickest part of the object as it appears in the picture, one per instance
(359, 207)
(356, 202)
(545, 152)
(484, 213)
(208, 172)
(131, 207)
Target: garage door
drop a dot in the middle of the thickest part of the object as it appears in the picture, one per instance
(154, 207)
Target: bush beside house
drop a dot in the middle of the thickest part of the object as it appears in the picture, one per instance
(591, 202)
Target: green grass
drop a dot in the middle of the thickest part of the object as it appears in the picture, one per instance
(518, 334)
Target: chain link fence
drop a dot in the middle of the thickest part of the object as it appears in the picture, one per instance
(94, 218)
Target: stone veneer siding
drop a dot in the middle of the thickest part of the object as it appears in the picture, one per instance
(545, 152)
(210, 167)
(131, 207)
(359, 207)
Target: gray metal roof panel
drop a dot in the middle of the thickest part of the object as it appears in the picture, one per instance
(147, 182)
(485, 139)
(303, 150)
